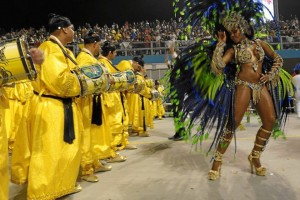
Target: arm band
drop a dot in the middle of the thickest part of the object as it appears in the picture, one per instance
(217, 62)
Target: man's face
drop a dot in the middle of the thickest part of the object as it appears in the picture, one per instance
(112, 55)
(69, 33)
(136, 66)
(96, 47)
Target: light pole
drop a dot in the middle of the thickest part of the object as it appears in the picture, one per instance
(276, 11)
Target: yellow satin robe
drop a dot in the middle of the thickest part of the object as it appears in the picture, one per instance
(137, 116)
(149, 105)
(41, 156)
(96, 140)
(123, 66)
(3, 153)
(113, 108)
(16, 97)
(160, 106)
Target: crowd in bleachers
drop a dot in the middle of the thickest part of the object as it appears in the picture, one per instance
(155, 31)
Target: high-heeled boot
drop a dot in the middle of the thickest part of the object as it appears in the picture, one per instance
(257, 150)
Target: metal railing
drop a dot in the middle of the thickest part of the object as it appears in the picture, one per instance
(162, 47)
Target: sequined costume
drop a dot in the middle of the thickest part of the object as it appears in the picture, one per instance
(204, 86)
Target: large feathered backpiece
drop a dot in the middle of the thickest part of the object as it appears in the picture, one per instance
(203, 99)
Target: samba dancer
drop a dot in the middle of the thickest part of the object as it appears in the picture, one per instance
(222, 79)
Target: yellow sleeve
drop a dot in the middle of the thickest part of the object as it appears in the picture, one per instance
(84, 59)
(107, 65)
(55, 72)
(124, 65)
(146, 92)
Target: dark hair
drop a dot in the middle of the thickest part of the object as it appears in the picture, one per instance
(107, 47)
(57, 22)
(139, 60)
(297, 71)
(91, 37)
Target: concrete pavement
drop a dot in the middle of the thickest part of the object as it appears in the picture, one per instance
(161, 169)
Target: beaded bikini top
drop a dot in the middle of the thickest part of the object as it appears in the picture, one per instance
(244, 53)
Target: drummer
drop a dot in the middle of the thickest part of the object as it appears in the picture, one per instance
(49, 147)
(97, 138)
(113, 104)
(37, 57)
(137, 108)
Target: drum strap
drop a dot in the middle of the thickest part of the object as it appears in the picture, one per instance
(122, 101)
(69, 134)
(144, 114)
(64, 51)
(114, 67)
(97, 110)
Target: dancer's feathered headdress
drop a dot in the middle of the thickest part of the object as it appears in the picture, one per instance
(214, 15)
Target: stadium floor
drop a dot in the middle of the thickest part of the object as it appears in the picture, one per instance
(161, 169)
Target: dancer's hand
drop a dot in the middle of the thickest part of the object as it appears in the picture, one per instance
(221, 36)
(264, 78)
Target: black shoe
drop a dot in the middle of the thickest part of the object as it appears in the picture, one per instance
(172, 137)
(175, 137)
(178, 138)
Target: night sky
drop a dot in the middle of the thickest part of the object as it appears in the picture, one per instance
(32, 13)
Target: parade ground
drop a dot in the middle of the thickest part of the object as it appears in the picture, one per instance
(162, 169)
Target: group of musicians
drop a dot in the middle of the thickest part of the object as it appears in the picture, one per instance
(55, 133)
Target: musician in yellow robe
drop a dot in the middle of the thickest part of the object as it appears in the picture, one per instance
(3, 151)
(137, 116)
(97, 138)
(149, 103)
(123, 66)
(112, 101)
(160, 106)
(37, 57)
(47, 155)
(16, 96)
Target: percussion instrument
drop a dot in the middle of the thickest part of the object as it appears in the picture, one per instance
(120, 81)
(154, 95)
(15, 61)
(138, 86)
(150, 83)
(93, 79)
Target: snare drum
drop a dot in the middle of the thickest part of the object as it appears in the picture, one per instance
(154, 95)
(120, 81)
(93, 79)
(138, 86)
(15, 62)
(150, 83)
